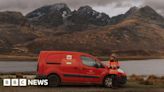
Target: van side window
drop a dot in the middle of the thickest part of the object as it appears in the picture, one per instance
(88, 61)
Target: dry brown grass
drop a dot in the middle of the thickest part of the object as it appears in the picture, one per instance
(19, 75)
(135, 78)
(147, 80)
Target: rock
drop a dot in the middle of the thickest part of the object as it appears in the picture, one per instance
(86, 15)
(50, 15)
(145, 14)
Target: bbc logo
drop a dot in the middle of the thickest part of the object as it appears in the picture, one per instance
(14, 82)
(24, 82)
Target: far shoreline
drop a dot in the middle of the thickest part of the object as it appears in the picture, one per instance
(34, 58)
(18, 58)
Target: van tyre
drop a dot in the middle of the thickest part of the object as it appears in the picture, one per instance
(53, 81)
(110, 82)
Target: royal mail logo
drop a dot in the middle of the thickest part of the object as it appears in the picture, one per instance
(25, 82)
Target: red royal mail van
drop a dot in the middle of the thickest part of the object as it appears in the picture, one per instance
(61, 67)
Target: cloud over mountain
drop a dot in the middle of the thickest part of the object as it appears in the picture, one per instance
(25, 6)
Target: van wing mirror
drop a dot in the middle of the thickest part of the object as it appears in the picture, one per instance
(99, 65)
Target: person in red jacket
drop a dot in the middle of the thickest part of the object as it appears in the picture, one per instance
(113, 63)
(113, 69)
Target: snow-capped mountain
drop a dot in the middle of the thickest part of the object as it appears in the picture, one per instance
(58, 14)
(50, 15)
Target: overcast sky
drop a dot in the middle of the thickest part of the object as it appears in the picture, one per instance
(111, 7)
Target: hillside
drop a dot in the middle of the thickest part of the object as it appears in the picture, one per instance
(127, 38)
(14, 31)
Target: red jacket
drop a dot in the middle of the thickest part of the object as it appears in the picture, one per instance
(114, 64)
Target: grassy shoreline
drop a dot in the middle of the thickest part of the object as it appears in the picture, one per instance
(103, 58)
(17, 58)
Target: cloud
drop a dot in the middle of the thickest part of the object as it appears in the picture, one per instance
(28, 5)
(111, 7)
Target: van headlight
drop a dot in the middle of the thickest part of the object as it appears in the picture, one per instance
(120, 70)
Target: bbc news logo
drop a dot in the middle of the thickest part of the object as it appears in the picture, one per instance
(24, 82)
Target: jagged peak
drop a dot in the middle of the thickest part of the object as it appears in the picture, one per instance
(132, 10)
(85, 8)
(58, 6)
(146, 8)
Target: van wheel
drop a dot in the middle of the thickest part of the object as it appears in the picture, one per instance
(108, 82)
(53, 81)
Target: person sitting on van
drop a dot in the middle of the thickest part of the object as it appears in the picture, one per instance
(113, 62)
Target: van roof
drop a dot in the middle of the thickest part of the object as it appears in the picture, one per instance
(67, 52)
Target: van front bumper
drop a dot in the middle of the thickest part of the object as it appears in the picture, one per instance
(121, 79)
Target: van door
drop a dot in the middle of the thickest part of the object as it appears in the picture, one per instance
(70, 68)
(66, 65)
(90, 70)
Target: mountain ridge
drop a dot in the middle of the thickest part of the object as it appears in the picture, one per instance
(55, 27)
